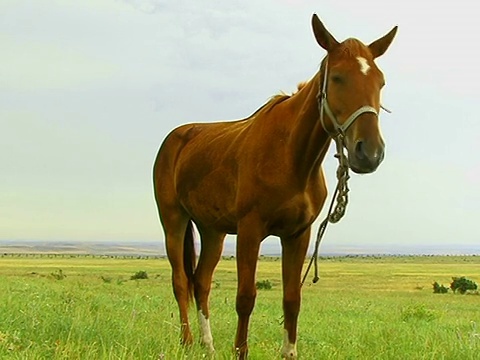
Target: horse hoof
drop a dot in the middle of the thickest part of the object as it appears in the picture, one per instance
(241, 353)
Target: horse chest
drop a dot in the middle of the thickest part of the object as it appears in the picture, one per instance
(295, 214)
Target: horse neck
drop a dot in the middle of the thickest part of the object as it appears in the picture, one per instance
(308, 140)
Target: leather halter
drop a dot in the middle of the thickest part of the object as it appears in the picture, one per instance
(340, 129)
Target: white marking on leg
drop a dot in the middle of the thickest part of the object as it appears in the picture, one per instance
(364, 67)
(289, 350)
(207, 338)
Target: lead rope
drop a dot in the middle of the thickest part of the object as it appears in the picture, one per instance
(334, 214)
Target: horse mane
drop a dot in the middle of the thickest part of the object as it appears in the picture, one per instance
(277, 99)
(274, 100)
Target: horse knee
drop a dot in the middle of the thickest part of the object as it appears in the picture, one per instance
(245, 303)
(292, 305)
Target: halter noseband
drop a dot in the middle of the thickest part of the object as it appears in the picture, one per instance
(340, 129)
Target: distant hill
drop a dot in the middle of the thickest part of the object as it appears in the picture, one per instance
(269, 248)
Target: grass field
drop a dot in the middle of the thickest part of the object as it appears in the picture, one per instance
(362, 308)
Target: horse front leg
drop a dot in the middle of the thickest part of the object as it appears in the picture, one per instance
(294, 251)
(248, 246)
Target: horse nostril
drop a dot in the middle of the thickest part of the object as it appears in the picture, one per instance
(360, 150)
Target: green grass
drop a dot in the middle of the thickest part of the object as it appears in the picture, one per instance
(362, 308)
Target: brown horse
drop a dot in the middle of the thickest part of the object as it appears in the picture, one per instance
(262, 176)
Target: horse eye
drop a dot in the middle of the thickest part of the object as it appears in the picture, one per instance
(337, 79)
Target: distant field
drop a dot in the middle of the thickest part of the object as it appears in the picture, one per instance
(270, 247)
(362, 308)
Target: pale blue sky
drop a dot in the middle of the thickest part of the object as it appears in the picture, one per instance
(89, 89)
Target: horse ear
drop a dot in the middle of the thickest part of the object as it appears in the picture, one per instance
(378, 47)
(324, 38)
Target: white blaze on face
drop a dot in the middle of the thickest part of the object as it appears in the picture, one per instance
(207, 338)
(289, 350)
(364, 67)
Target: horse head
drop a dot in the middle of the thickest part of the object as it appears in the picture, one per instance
(349, 96)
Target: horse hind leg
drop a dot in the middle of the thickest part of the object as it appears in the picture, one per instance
(212, 246)
(181, 254)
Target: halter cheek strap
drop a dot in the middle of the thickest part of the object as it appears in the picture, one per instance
(339, 129)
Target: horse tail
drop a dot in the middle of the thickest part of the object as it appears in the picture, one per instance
(189, 258)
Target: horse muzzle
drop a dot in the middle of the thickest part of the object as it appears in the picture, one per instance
(365, 157)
